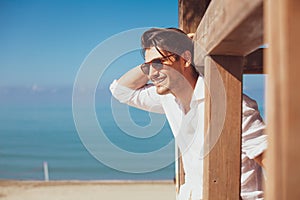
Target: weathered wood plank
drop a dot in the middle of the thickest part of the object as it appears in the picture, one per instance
(231, 27)
(283, 97)
(190, 14)
(222, 164)
(254, 62)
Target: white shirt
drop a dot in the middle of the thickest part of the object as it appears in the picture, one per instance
(188, 130)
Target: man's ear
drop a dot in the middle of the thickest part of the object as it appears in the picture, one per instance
(187, 56)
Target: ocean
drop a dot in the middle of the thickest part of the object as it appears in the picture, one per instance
(38, 127)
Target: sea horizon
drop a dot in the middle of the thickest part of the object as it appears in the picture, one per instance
(37, 126)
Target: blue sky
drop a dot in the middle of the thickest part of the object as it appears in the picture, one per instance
(43, 42)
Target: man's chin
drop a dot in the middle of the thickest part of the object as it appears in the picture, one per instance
(162, 90)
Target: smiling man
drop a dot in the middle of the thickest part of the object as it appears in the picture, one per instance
(177, 90)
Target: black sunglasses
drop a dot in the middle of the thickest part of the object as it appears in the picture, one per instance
(157, 63)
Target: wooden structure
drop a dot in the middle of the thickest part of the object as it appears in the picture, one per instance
(231, 32)
(283, 97)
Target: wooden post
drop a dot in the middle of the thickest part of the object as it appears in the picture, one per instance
(222, 165)
(232, 29)
(190, 14)
(283, 98)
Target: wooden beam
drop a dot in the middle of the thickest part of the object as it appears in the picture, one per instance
(254, 62)
(231, 27)
(222, 165)
(190, 14)
(283, 97)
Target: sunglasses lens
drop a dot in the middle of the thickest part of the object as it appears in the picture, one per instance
(157, 64)
(145, 68)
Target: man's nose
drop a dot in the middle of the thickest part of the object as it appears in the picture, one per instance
(153, 72)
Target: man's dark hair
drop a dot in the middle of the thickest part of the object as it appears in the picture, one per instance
(172, 40)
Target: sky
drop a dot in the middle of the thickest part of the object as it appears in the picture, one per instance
(44, 42)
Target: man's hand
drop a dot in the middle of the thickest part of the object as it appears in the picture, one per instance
(134, 79)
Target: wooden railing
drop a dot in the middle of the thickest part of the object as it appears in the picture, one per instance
(228, 35)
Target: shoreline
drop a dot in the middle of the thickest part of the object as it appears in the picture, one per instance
(95, 189)
(7, 182)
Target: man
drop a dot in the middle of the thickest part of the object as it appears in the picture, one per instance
(177, 90)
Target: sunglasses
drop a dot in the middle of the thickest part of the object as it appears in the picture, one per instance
(157, 64)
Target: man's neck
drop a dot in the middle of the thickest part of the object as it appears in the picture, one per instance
(185, 93)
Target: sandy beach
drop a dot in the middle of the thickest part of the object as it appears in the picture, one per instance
(87, 190)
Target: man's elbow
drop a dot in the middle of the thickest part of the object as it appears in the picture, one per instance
(121, 93)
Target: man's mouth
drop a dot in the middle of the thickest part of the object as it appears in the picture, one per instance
(157, 81)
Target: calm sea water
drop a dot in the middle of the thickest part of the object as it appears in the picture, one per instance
(34, 129)
(38, 126)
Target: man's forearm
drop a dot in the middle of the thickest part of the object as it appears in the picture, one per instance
(133, 79)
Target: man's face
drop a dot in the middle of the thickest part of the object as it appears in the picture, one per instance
(168, 76)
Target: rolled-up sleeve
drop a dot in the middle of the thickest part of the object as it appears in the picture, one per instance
(144, 98)
(254, 141)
